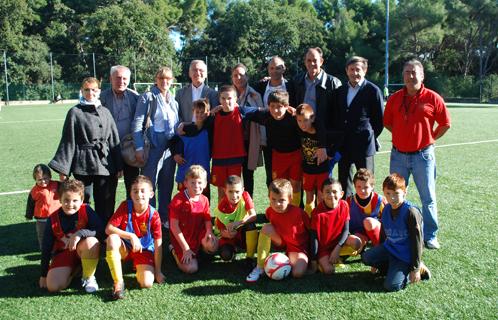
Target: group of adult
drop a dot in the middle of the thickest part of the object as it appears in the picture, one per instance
(353, 116)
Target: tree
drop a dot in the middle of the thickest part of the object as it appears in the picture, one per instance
(252, 31)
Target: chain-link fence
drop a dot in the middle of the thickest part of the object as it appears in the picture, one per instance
(59, 76)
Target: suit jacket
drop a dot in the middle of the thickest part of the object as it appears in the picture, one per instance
(184, 99)
(123, 120)
(362, 122)
(327, 111)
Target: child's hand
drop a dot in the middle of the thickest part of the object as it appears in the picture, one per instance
(62, 177)
(226, 234)
(73, 242)
(188, 256)
(159, 276)
(334, 256)
(291, 110)
(65, 240)
(216, 109)
(414, 276)
(179, 130)
(42, 282)
(179, 159)
(136, 246)
(321, 155)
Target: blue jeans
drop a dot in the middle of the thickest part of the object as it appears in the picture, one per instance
(422, 166)
(397, 270)
(160, 168)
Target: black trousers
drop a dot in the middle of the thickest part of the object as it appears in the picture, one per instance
(346, 171)
(129, 174)
(103, 190)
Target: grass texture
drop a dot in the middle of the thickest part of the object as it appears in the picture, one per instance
(464, 283)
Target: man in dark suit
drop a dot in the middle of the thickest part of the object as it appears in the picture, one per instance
(122, 101)
(362, 107)
(194, 91)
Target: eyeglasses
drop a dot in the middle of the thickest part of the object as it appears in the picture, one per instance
(91, 89)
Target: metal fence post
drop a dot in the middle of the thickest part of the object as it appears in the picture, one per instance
(6, 78)
(52, 76)
(94, 73)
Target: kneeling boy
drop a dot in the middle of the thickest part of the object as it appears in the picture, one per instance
(70, 239)
(288, 228)
(235, 216)
(135, 233)
(401, 252)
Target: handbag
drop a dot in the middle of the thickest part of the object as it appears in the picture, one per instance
(128, 145)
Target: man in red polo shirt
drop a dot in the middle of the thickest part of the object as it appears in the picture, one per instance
(411, 114)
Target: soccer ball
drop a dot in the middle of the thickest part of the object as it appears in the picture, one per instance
(277, 266)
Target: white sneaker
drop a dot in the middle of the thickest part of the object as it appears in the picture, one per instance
(90, 284)
(432, 244)
(255, 274)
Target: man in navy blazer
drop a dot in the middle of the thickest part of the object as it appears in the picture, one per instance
(362, 109)
(196, 90)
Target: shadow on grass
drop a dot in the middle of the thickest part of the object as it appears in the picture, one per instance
(19, 238)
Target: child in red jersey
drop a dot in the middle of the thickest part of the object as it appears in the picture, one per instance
(330, 226)
(315, 161)
(190, 221)
(43, 199)
(235, 216)
(135, 234)
(365, 209)
(228, 151)
(288, 228)
(70, 239)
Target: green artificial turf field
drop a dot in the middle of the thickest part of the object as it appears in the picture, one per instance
(464, 283)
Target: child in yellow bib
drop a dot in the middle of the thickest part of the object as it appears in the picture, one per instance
(234, 224)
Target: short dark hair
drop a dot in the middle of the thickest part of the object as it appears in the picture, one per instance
(413, 62)
(43, 169)
(227, 88)
(330, 182)
(143, 179)
(394, 181)
(279, 96)
(233, 180)
(355, 59)
(280, 187)
(71, 185)
(201, 104)
(364, 175)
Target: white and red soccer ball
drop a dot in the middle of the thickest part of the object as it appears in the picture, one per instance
(277, 266)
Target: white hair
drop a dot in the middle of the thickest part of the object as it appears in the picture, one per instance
(115, 69)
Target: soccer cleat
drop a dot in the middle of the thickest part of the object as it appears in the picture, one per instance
(432, 244)
(118, 292)
(425, 273)
(90, 284)
(255, 274)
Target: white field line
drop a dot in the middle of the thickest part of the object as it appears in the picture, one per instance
(30, 121)
(381, 152)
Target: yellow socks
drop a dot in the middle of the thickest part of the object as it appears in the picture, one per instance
(308, 208)
(296, 199)
(348, 251)
(251, 242)
(264, 246)
(88, 265)
(113, 259)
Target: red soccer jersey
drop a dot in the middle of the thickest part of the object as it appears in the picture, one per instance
(228, 136)
(292, 226)
(226, 207)
(329, 223)
(192, 217)
(412, 118)
(120, 219)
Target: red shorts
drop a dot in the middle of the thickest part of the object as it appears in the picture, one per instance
(313, 181)
(194, 244)
(65, 258)
(326, 251)
(219, 174)
(286, 165)
(144, 257)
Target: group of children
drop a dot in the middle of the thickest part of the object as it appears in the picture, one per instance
(315, 237)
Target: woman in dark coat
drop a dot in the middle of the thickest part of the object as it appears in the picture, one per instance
(89, 149)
